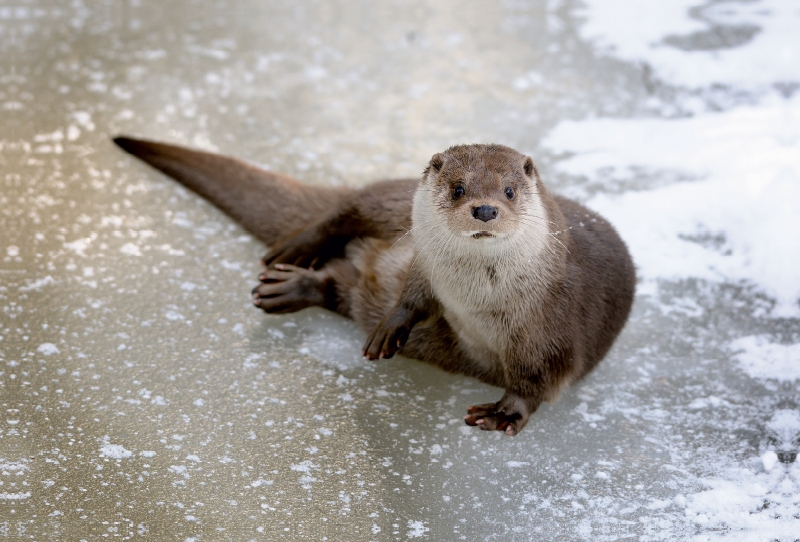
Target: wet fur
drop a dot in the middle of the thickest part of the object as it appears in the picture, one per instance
(531, 311)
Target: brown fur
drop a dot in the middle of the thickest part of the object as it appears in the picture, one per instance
(529, 300)
(268, 205)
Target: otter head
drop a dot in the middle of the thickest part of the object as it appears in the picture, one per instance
(482, 195)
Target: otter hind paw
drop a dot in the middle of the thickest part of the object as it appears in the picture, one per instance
(304, 249)
(286, 288)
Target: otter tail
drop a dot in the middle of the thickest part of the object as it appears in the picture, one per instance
(268, 205)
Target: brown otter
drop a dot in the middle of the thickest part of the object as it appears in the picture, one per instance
(503, 282)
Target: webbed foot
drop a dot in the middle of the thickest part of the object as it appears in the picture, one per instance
(287, 288)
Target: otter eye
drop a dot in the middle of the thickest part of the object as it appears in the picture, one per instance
(509, 192)
(458, 191)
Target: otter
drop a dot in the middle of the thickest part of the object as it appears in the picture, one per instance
(475, 267)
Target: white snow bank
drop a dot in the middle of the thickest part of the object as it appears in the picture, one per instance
(763, 43)
(739, 222)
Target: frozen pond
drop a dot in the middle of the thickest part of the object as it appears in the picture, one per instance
(144, 396)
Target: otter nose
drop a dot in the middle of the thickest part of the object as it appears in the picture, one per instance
(484, 212)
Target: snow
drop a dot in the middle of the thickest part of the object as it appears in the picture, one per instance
(130, 249)
(114, 451)
(47, 349)
(743, 160)
(416, 529)
(654, 32)
(744, 505)
(709, 194)
(769, 460)
(759, 357)
(677, 120)
(785, 425)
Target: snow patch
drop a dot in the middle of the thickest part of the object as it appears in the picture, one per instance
(743, 160)
(749, 45)
(416, 529)
(761, 358)
(114, 451)
(130, 249)
(38, 284)
(47, 349)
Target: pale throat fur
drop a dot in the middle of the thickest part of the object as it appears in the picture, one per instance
(479, 279)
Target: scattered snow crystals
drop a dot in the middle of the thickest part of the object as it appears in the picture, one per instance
(114, 451)
(785, 425)
(689, 430)
(753, 504)
(15, 467)
(416, 529)
(79, 246)
(304, 466)
(705, 402)
(47, 349)
(174, 316)
(130, 249)
(38, 284)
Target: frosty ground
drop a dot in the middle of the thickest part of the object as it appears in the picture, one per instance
(144, 396)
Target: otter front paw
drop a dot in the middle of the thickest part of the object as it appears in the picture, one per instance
(390, 335)
(509, 415)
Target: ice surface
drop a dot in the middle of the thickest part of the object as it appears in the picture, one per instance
(143, 396)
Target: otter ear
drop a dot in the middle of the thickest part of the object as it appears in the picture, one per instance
(437, 162)
(530, 168)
